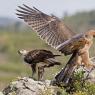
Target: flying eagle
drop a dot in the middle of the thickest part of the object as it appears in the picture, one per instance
(57, 34)
(45, 57)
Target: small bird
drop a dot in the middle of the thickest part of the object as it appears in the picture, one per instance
(45, 57)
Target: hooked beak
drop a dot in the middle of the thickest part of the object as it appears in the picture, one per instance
(19, 52)
(22, 52)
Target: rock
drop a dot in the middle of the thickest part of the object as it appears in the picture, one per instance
(28, 86)
(1, 93)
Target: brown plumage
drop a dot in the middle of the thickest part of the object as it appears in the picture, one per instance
(55, 32)
(45, 57)
(49, 28)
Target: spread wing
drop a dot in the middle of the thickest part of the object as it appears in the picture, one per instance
(49, 28)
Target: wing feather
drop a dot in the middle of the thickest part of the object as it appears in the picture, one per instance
(49, 28)
(52, 30)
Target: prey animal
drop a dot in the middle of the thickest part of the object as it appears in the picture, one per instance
(45, 57)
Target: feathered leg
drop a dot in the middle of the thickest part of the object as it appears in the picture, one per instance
(84, 53)
(41, 73)
(33, 66)
(86, 59)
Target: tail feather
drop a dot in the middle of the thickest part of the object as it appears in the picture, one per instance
(51, 62)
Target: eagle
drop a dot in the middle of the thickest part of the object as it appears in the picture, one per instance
(45, 57)
(57, 34)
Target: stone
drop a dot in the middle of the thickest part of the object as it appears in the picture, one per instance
(28, 86)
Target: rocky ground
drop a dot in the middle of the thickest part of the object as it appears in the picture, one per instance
(28, 86)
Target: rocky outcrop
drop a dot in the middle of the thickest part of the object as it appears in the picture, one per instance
(28, 86)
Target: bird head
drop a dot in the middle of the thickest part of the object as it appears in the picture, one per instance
(91, 32)
(22, 52)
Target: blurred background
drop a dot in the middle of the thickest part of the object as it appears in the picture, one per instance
(79, 15)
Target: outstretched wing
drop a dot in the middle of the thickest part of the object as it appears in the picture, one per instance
(49, 28)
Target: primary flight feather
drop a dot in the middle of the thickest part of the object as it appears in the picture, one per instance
(49, 28)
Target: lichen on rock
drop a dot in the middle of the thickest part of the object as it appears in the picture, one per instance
(28, 86)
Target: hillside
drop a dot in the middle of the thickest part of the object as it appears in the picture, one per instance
(81, 21)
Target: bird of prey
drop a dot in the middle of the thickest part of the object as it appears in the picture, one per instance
(45, 57)
(57, 34)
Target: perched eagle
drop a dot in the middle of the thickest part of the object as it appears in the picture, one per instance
(44, 57)
(57, 34)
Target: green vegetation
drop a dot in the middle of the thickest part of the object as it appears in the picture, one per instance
(78, 86)
(82, 86)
